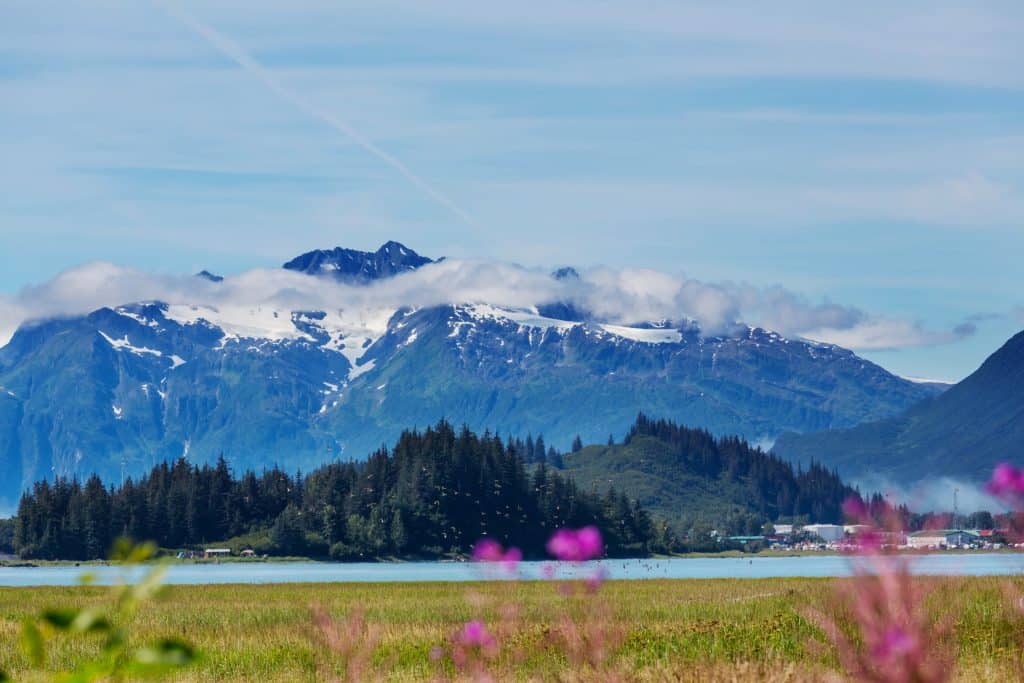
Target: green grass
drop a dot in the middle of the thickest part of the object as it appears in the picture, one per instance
(732, 629)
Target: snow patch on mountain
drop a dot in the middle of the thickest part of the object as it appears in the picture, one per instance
(358, 370)
(645, 335)
(239, 322)
(142, 320)
(349, 332)
(523, 317)
(125, 345)
(532, 319)
(352, 332)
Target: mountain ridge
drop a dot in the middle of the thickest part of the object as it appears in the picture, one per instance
(145, 382)
(963, 432)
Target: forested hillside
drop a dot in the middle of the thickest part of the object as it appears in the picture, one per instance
(692, 478)
(436, 492)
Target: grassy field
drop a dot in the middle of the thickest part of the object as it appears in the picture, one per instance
(732, 629)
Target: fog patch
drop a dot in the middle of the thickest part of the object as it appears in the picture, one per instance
(933, 494)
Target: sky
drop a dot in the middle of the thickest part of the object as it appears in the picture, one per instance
(863, 157)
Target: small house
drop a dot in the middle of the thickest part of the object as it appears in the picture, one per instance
(217, 552)
(248, 552)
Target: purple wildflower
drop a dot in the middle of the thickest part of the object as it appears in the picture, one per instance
(489, 550)
(895, 642)
(475, 634)
(577, 545)
(1007, 481)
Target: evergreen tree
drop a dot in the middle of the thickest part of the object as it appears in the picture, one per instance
(287, 535)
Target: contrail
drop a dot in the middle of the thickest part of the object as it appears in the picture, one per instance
(238, 55)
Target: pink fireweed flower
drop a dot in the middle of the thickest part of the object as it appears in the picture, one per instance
(577, 545)
(868, 542)
(475, 634)
(894, 643)
(1007, 481)
(472, 646)
(898, 641)
(489, 550)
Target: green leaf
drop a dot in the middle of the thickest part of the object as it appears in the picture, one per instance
(79, 621)
(90, 621)
(131, 553)
(32, 642)
(122, 549)
(60, 618)
(168, 652)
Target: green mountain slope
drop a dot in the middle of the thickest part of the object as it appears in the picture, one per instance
(679, 473)
(961, 433)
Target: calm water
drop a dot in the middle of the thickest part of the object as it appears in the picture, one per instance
(977, 564)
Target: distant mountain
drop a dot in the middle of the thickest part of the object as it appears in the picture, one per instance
(962, 433)
(679, 473)
(120, 389)
(207, 275)
(359, 266)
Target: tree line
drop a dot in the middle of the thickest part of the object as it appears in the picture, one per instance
(435, 493)
(773, 489)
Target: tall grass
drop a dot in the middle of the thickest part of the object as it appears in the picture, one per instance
(729, 629)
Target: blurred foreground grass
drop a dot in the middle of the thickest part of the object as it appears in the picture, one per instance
(684, 630)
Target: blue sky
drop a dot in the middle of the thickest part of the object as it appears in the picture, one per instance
(867, 154)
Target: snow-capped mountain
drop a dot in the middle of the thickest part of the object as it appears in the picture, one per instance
(119, 389)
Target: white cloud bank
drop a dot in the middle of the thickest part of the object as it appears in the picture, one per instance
(626, 296)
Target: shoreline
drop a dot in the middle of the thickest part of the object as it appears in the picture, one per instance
(172, 561)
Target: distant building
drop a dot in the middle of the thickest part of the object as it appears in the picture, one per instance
(217, 552)
(854, 529)
(942, 538)
(783, 529)
(826, 532)
(248, 552)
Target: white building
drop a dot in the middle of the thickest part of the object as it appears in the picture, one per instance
(942, 538)
(826, 532)
(783, 529)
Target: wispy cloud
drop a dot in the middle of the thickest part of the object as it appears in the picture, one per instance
(627, 296)
(240, 56)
